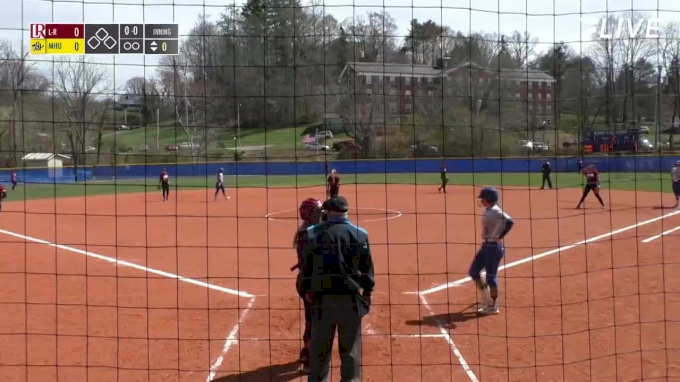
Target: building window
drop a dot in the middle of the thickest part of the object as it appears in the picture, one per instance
(408, 94)
(548, 85)
(369, 93)
(408, 107)
(548, 97)
(548, 109)
(407, 81)
(369, 80)
(429, 81)
(430, 93)
(531, 84)
(393, 80)
(393, 93)
(531, 107)
(531, 96)
(393, 108)
(539, 97)
(517, 96)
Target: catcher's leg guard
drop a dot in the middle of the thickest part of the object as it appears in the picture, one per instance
(306, 336)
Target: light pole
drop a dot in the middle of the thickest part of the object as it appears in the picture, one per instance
(238, 126)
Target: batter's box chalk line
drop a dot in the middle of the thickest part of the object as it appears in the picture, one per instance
(369, 330)
(230, 341)
(395, 213)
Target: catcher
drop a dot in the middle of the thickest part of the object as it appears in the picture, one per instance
(310, 214)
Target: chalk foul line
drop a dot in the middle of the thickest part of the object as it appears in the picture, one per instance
(548, 253)
(652, 238)
(447, 337)
(231, 340)
(130, 265)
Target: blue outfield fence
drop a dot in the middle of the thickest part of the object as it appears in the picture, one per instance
(656, 164)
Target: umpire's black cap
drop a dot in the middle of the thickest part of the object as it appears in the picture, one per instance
(336, 204)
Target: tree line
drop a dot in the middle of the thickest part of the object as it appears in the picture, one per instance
(276, 63)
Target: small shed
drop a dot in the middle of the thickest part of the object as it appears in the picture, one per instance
(53, 163)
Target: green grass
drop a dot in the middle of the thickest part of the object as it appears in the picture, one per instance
(617, 181)
(169, 134)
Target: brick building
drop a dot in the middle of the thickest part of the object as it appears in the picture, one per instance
(403, 89)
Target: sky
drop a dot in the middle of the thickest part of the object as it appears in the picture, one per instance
(549, 20)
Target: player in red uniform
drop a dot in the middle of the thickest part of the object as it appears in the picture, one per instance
(333, 184)
(164, 184)
(3, 195)
(14, 179)
(310, 214)
(592, 184)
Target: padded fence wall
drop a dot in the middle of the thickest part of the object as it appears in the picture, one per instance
(658, 164)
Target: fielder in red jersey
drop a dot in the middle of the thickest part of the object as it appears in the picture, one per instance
(333, 184)
(164, 183)
(592, 184)
(3, 195)
(310, 214)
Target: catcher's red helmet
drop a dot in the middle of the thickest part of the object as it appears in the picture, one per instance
(309, 209)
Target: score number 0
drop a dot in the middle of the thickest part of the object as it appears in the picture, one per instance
(76, 32)
(134, 30)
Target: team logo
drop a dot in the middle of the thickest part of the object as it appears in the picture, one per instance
(38, 30)
(37, 46)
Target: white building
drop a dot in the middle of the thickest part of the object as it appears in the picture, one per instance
(53, 162)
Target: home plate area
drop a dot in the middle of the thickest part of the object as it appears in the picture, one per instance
(268, 342)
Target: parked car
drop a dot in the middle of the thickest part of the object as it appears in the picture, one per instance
(90, 149)
(424, 148)
(324, 134)
(316, 146)
(123, 127)
(539, 146)
(171, 148)
(534, 146)
(188, 145)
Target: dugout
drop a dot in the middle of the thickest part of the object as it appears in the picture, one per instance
(52, 164)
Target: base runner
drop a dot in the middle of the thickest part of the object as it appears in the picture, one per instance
(495, 226)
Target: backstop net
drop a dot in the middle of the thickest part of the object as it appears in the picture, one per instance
(122, 258)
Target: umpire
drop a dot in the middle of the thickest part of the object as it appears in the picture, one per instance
(545, 169)
(339, 279)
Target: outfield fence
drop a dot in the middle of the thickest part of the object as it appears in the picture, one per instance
(646, 164)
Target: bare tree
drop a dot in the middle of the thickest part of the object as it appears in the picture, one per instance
(670, 61)
(521, 46)
(80, 88)
(375, 35)
(616, 59)
(106, 106)
(17, 71)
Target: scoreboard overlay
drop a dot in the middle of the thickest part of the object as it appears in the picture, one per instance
(91, 39)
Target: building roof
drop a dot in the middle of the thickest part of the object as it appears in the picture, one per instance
(363, 68)
(43, 156)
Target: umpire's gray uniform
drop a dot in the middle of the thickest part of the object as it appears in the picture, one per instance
(338, 273)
